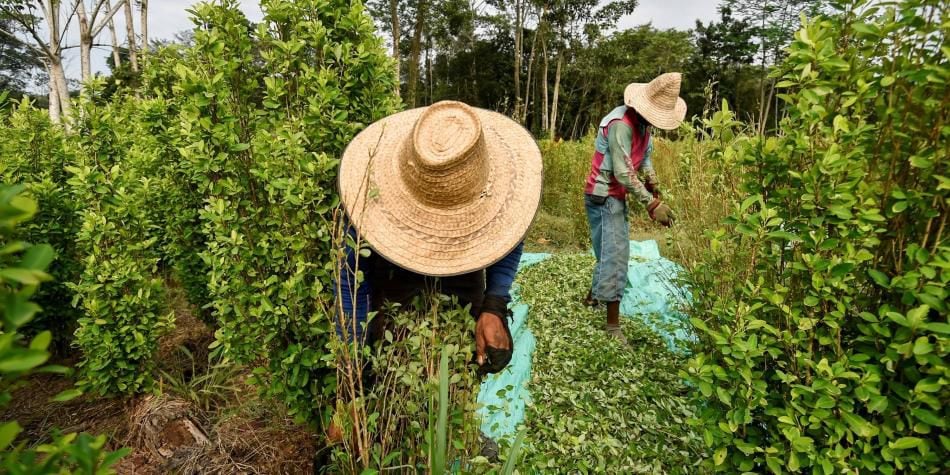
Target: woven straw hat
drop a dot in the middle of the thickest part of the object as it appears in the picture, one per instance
(658, 101)
(442, 190)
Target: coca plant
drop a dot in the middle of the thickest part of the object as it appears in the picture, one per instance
(34, 153)
(830, 354)
(265, 112)
(119, 291)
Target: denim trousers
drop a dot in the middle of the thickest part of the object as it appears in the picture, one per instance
(610, 234)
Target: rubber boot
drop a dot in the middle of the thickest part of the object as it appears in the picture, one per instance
(613, 323)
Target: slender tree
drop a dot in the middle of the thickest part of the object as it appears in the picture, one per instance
(130, 34)
(43, 24)
(93, 18)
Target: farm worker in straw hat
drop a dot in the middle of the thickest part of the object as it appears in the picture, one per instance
(444, 196)
(622, 150)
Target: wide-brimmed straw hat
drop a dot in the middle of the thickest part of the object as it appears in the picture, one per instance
(442, 190)
(658, 101)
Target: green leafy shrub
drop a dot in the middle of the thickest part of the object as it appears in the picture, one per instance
(263, 115)
(396, 422)
(34, 153)
(830, 353)
(119, 289)
(22, 269)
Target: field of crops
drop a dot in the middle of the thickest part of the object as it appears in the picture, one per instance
(167, 274)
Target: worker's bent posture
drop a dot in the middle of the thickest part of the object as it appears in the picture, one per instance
(444, 196)
(622, 151)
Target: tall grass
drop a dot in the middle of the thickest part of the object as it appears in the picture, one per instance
(700, 188)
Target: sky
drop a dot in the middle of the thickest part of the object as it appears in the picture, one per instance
(167, 17)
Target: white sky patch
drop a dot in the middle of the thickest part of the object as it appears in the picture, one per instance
(168, 17)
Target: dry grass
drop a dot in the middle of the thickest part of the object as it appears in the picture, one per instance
(698, 187)
(244, 433)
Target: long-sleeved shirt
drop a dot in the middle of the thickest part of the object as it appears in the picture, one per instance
(616, 159)
(357, 298)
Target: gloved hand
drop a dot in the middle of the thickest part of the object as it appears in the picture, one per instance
(489, 358)
(653, 188)
(660, 212)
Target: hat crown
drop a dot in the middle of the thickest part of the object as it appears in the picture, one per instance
(446, 163)
(664, 90)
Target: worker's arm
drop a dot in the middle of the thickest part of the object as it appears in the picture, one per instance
(649, 173)
(619, 136)
(354, 296)
(498, 279)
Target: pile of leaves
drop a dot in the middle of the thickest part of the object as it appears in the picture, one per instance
(600, 407)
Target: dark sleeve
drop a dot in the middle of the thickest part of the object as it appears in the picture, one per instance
(354, 297)
(498, 279)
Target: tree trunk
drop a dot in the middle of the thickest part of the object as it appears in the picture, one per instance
(85, 43)
(414, 52)
(54, 108)
(130, 32)
(430, 93)
(394, 18)
(527, 83)
(544, 84)
(143, 25)
(58, 80)
(57, 75)
(557, 88)
(116, 57)
(519, 30)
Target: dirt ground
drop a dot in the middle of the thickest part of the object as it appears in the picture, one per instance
(170, 432)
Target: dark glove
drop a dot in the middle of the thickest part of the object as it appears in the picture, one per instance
(660, 212)
(496, 359)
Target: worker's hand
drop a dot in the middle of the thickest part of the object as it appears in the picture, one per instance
(660, 212)
(653, 188)
(492, 344)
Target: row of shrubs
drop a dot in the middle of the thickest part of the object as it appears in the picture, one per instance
(216, 170)
(821, 302)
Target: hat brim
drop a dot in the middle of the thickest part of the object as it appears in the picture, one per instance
(440, 241)
(635, 96)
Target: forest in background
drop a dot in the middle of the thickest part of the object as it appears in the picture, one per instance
(555, 66)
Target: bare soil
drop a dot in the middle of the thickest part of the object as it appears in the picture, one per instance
(168, 433)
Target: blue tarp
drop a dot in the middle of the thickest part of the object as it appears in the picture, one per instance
(651, 294)
(503, 396)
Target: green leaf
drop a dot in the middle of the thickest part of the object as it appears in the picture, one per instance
(38, 257)
(66, 395)
(929, 417)
(879, 278)
(922, 346)
(938, 327)
(8, 432)
(41, 341)
(784, 235)
(22, 360)
(905, 443)
(887, 81)
(859, 425)
(840, 270)
(720, 456)
(20, 312)
(23, 276)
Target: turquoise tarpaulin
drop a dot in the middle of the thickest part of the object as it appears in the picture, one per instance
(652, 295)
(503, 396)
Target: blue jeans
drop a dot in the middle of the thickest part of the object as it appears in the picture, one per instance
(610, 233)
